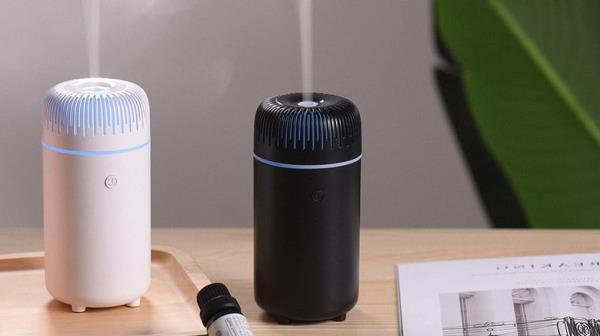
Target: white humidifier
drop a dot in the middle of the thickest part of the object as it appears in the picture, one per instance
(96, 154)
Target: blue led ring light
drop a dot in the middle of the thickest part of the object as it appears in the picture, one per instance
(98, 153)
(306, 166)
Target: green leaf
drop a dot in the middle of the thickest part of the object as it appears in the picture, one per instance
(531, 70)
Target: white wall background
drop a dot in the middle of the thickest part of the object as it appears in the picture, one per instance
(206, 64)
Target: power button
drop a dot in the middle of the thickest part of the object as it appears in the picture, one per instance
(111, 181)
(318, 196)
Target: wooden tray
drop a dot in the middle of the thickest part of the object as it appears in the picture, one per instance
(168, 308)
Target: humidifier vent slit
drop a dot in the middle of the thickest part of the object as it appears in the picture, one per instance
(274, 129)
(125, 114)
(86, 116)
(307, 126)
(69, 116)
(327, 130)
(287, 127)
(90, 115)
(281, 129)
(104, 111)
(70, 128)
(343, 129)
(109, 115)
(93, 116)
(78, 106)
(289, 119)
(67, 121)
(134, 113)
(59, 120)
(120, 113)
(287, 124)
(280, 134)
(299, 128)
(97, 115)
(50, 116)
(136, 109)
(271, 129)
(332, 132)
(140, 112)
(340, 129)
(261, 135)
(113, 118)
(258, 136)
(89, 127)
(312, 130)
(265, 135)
(90, 107)
(293, 131)
(122, 120)
(130, 114)
(100, 112)
(76, 120)
(311, 127)
(280, 126)
(84, 119)
(316, 119)
(304, 129)
(55, 118)
(75, 110)
(295, 124)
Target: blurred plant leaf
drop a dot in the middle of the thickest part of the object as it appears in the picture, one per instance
(531, 70)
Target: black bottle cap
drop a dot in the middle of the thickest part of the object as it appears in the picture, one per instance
(215, 301)
(325, 130)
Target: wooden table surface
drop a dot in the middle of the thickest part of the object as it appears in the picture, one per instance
(225, 255)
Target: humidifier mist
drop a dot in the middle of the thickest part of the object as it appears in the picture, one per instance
(308, 103)
(305, 14)
(96, 192)
(91, 15)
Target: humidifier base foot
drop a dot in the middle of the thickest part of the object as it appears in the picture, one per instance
(134, 303)
(285, 320)
(282, 320)
(77, 309)
(339, 318)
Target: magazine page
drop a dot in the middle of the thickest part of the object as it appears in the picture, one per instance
(524, 296)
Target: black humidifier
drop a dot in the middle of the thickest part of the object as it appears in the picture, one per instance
(306, 207)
